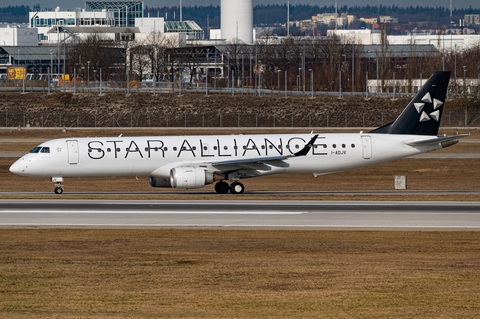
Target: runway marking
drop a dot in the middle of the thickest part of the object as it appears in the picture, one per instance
(161, 212)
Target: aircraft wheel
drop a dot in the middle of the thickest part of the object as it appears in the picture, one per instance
(221, 187)
(58, 190)
(237, 188)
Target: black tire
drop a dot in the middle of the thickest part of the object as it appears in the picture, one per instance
(237, 188)
(222, 187)
(58, 190)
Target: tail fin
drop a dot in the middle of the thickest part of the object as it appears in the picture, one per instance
(423, 114)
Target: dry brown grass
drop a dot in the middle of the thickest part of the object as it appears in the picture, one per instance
(238, 274)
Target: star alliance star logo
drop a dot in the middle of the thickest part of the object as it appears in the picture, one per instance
(59, 149)
(435, 115)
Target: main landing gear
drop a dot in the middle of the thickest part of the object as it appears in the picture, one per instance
(234, 188)
(58, 184)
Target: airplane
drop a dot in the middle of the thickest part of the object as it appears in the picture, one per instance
(190, 162)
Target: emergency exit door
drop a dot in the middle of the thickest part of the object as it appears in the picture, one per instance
(72, 146)
(367, 147)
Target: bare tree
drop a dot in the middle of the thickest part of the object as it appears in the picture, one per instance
(235, 49)
(158, 44)
(93, 53)
(170, 62)
(140, 60)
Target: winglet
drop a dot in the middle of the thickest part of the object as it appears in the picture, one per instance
(304, 151)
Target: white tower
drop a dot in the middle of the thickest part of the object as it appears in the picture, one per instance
(237, 20)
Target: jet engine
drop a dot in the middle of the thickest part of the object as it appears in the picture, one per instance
(159, 182)
(186, 177)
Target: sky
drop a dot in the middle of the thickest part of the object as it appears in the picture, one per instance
(162, 3)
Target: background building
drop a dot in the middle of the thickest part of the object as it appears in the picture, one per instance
(124, 12)
(18, 34)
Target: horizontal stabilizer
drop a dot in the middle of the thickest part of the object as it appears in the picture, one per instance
(444, 140)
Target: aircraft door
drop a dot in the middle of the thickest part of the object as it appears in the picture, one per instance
(367, 147)
(72, 146)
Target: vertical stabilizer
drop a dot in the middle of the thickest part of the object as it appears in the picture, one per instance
(423, 114)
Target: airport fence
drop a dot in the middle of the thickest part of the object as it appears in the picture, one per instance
(275, 118)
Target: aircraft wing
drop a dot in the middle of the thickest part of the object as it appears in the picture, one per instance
(444, 140)
(253, 165)
(262, 163)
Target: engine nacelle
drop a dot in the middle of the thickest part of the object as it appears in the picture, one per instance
(187, 177)
(159, 182)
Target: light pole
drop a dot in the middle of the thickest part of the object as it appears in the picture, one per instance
(278, 80)
(343, 64)
(298, 82)
(311, 80)
(228, 70)
(377, 75)
(340, 83)
(303, 67)
(215, 73)
(206, 73)
(88, 73)
(353, 67)
(51, 70)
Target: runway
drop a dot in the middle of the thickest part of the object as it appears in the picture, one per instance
(350, 215)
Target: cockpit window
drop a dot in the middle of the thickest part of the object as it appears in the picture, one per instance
(36, 149)
(40, 149)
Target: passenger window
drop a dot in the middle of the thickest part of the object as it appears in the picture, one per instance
(334, 145)
(353, 145)
(343, 145)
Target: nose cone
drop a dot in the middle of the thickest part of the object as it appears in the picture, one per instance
(17, 168)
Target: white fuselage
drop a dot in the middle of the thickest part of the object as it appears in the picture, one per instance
(157, 155)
